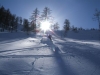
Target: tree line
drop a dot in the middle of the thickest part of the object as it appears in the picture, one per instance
(67, 25)
(36, 19)
(8, 21)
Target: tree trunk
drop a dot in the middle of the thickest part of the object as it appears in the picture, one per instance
(99, 23)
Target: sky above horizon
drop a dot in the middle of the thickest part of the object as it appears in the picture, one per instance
(79, 12)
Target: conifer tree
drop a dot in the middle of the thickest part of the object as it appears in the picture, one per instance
(56, 26)
(34, 18)
(97, 16)
(66, 25)
(26, 25)
(46, 14)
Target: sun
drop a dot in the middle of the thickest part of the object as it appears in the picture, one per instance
(45, 25)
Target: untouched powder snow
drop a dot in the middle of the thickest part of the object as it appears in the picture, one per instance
(73, 54)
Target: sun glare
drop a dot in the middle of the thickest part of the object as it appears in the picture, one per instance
(45, 25)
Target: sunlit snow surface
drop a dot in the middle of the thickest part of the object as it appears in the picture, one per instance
(22, 54)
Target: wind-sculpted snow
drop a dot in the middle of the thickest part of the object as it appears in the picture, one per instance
(73, 54)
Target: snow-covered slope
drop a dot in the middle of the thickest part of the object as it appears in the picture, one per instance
(75, 54)
(81, 35)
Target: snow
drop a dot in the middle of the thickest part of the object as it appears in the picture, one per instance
(73, 54)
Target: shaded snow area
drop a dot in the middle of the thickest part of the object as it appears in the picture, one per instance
(75, 54)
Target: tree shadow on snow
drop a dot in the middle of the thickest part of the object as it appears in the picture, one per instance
(85, 51)
(64, 67)
(21, 49)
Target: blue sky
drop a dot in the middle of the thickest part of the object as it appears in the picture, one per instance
(79, 12)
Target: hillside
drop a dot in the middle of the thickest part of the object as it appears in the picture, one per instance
(73, 54)
(81, 34)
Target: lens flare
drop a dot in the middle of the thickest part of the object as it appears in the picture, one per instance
(45, 25)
